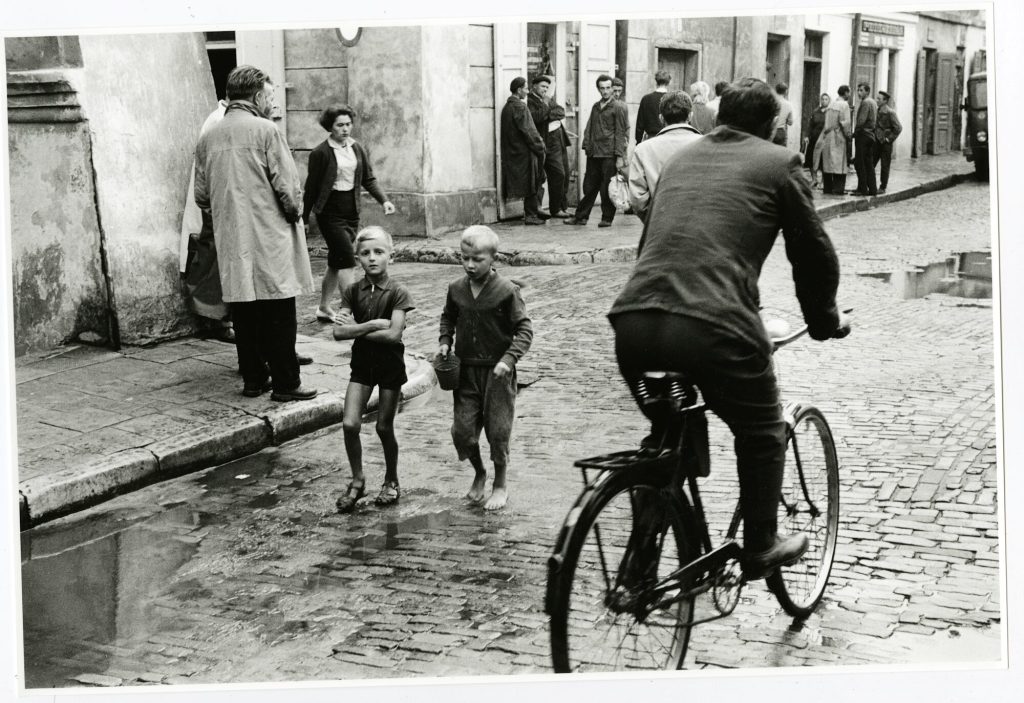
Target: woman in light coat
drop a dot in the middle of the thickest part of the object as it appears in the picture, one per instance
(833, 139)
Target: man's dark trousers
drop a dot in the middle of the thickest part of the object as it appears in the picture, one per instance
(266, 330)
(555, 178)
(883, 153)
(864, 162)
(600, 171)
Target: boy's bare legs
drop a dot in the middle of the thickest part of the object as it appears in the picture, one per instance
(478, 490)
(499, 493)
(355, 405)
(386, 410)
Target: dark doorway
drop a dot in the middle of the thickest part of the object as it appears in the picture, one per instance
(220, 47)
(681, 64)
(776, 67)
(812, 81)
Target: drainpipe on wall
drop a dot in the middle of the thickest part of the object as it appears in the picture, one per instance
(735, 38)
(853, 55)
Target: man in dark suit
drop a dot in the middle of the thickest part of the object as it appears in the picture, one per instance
(648, 116)
(522, 153)
(864, 142)
(692, 305)
(547, 117)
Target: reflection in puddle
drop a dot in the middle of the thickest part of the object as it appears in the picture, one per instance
(963, 275)
(97, 591)
(390, 533)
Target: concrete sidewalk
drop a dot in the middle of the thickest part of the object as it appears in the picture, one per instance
(93, 423)
(558, 243)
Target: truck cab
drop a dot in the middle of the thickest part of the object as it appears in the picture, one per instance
(976, 136)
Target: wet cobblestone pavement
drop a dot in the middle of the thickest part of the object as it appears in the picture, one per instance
(244, 573)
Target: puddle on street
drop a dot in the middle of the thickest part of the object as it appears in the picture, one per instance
(390, 533)
(962, 275)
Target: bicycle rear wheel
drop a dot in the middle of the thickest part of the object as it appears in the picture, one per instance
(810, 504)
(604, 615)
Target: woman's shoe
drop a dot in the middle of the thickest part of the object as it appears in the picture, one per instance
(324, 315)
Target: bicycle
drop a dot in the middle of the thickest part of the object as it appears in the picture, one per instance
(621, 594)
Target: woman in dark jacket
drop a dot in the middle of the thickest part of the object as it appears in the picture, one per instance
(339, 167)
(812, 161)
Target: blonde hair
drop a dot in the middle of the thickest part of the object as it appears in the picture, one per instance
(481, 237)
(374, 232)
(700, 91)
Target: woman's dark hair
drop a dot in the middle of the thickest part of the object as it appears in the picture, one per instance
(328, 116)
(748, 104)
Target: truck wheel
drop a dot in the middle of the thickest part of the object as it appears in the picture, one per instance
(981, 167)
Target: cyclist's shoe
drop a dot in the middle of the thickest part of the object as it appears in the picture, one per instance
(785, 551)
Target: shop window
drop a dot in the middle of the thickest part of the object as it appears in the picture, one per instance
(866, 69)
(540, 50)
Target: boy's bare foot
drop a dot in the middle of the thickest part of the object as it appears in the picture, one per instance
(477, 491)
(498, 499)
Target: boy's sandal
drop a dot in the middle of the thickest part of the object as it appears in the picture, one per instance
(389, 493)
(347, 502)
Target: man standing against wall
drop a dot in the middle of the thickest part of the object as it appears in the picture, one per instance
(522, 153)
(648, 116)
(604, 141)
(864, 142)
(785, 117)
(887, 128)
(246, 178)
(547, 117)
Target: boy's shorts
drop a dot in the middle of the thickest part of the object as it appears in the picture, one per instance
(388, 372)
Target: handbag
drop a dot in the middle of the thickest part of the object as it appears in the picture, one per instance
(618, 191)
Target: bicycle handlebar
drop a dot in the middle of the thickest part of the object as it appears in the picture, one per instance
(779, 342)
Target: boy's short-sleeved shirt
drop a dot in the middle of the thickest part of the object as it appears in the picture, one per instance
(369, 300)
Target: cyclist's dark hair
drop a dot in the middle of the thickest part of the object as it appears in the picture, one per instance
(747, 105)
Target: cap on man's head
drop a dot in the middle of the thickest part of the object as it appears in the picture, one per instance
(541, 79)
(883, 94)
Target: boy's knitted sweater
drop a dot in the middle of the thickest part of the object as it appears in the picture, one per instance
(487, 329)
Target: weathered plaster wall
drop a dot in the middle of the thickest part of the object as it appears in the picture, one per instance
(145, 97)
(58, 284)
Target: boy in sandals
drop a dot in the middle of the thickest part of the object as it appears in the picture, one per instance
(485, 315)
(373, 314)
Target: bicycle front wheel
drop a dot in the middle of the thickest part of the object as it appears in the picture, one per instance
(614, 607)
(810, 504)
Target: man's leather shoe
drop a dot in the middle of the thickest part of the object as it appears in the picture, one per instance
(303, 359)
(604, 223)
(256, 391)
(785, 551)
(532, 221)
(299, 393)
(544, 214)
(574, 221)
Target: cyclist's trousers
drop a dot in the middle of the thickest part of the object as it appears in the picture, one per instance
(737, 380)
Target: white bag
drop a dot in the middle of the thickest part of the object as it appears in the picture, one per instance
(618, 190)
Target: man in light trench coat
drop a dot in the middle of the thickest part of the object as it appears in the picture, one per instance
(246, 178)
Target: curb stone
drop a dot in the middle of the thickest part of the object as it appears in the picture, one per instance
(46, 498)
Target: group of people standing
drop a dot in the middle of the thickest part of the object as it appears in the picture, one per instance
(834, 129)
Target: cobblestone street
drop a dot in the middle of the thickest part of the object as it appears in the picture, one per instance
(245, 573)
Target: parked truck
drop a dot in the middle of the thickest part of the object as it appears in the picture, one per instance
(976, 136)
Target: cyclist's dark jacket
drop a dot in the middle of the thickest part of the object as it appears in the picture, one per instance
(717, 211)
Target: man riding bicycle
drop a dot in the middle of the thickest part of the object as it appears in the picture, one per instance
(691, 304)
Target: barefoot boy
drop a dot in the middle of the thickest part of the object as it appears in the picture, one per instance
(373, 314)
(485, 314)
